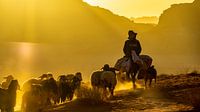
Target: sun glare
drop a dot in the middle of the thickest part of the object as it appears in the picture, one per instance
(92, 2)
(18, 100)
(127, 86)
(25, 50)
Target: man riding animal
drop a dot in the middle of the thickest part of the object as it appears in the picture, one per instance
(132, 50)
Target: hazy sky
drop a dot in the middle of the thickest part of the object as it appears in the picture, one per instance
(136, 8)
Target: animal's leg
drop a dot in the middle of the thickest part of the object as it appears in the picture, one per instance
(128, 76)
(2, 109)
(133, 80)
(111, 89)
(155, 80)
(112, 92)
(145, 79)
(104, 92)
(71, 96)
(150, 82)
(48, 102)
(10, 109)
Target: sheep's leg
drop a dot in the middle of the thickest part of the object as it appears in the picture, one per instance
(128, 76)
(48, 102)
(111, 89)
(10, 109)
(2, 109)
(155, 80)
(71, 96)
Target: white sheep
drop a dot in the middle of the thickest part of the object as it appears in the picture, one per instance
(104, 79)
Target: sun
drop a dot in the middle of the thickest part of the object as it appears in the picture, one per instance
(92, 2)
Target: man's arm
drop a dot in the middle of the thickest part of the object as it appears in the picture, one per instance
(139, 48)
(125, 49)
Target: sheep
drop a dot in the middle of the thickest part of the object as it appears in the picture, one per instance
(151, 74)
(106, 67)
(50, 87)
(67, 85)
(7, 81)
(45, 76)
(77, 80)
(40, 94)
(148, 74)
(27, 84)
(108, 79)
(96, 79)
(8, 97)
(62, 88)
(74, 84)
(33, 100)
(104, 79)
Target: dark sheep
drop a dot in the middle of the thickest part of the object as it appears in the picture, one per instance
(67, 84)
(50, 86)
(8, 97)
(96, 79)
(62, 88)
(151, 74)
(148, 74)
(33, 100)
(7, 81)
(40, 95)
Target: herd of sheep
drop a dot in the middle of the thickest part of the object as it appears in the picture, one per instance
(44, 91)
(38, 93)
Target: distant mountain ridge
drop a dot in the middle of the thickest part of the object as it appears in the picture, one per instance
(146, 19)
(177, 31)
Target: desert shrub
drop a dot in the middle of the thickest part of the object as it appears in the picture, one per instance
(91, 96)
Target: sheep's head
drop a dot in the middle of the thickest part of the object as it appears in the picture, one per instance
(14, 85)
(106, 67)
(79, 76)
(62, 78)
(9, 78)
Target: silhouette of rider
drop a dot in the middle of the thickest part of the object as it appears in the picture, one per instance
(132, 44)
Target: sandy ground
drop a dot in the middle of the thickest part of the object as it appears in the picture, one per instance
(139, 100)
(170, 94)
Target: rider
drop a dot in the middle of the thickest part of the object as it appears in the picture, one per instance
(132, 44)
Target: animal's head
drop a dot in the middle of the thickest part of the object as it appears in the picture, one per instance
(9, 78)
(79, 76)
(43, 76)
(152, 66)
(36, 89)
(62, 78)
(50, 75)
(106, 67)
(14, 85)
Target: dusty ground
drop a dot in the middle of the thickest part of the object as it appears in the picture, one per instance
(172, 93)
(128, 101)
